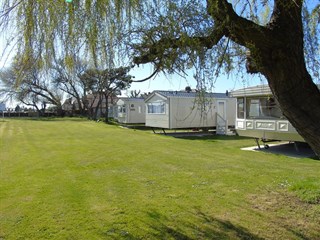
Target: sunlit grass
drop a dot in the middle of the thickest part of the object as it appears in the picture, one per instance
(77, 179)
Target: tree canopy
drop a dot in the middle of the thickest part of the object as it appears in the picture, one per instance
(192, 33)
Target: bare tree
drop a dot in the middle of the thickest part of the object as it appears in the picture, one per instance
(28, 86)
(135, 93)
(70, 81)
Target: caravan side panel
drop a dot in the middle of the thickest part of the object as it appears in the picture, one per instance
(154, 118)
(189, 113)
(157, 121)
(268, 129)
(231, 111)
(136, 112)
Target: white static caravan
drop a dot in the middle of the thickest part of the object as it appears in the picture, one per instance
(259, 116)
(184, 109)
(131, 110)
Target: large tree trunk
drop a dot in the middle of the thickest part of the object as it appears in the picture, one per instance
(284, 66)
(278, 53)
(298, 96)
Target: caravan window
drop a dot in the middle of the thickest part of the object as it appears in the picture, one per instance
(122, 109)
(156, 107)
(263, 107)
(240, 107)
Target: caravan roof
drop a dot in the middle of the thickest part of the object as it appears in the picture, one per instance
(185, 94)
(260, 90)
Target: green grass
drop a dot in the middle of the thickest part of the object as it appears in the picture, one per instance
(77, 179)
(308, 190)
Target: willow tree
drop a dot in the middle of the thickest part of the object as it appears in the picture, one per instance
(277, 39)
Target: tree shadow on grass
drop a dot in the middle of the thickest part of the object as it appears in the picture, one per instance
(298, 234)
(117, 233)
(211, 137)
(208, 228)
(196, 226)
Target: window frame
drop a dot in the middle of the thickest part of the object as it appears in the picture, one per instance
(265, 108)
(122, 109)
(154, 106)
(241, 114)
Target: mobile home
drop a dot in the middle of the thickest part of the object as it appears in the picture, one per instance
(259, 116)
(131, 110)
(190, 109)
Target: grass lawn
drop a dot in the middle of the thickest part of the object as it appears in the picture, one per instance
(77, 179)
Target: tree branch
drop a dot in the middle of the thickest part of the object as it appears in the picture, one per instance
(155, 72)
(237, 28)
(5, 12)
(156, 51)
(226, 23)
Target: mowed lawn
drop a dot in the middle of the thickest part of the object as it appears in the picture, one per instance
(78, 179)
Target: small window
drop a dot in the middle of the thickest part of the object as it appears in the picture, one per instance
(254, 108)
(240, 107)
(122, 109)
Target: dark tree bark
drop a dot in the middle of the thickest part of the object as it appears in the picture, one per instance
(96, 109)
(280, 58)
(276, 51)
(284, 66)
(106, 96)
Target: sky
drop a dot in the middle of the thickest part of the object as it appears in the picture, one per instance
(177, 82)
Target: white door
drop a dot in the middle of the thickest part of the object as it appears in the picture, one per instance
(221, 127)
(221, 108)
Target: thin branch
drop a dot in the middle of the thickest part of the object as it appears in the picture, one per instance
(155, 51)
(147, 78)
(9, 9)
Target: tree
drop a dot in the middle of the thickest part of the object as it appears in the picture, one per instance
(70, 81)
(105, 85)
(29, 86)
(135, 94)
(277, 39)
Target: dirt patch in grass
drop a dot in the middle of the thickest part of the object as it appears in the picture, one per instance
(292, 215)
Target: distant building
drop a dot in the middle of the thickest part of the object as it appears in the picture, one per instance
(2, 107)
(68, 104)
(98, 101)
(130, 110)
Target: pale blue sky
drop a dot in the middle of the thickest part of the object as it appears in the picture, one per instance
(177, 82)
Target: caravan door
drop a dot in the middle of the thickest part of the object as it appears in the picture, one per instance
(222, 126)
